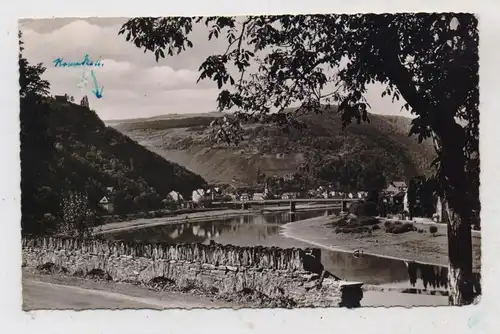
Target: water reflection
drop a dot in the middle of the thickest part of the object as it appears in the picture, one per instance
(264, 230)
(247, 230)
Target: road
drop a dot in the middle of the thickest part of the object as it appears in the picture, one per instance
(39, 295)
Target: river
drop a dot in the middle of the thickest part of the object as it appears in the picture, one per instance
(265, 230)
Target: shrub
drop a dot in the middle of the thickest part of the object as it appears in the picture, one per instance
(403, 228)
(368, 221)
(99, 274)
(354, 229)
(433, 229)
(398, 227)
(375, 227)
(340, 222)
(363, 209)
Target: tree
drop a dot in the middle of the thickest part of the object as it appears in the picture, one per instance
(30, 76)
(429, 60)
(77, 216)
(433, 229)
(36, 147)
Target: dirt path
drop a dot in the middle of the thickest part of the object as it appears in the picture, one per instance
(421, 247)
(54, 292)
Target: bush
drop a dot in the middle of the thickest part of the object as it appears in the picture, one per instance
(375, 227)
(363, 209)
(340, 222)
(354, 229)
(367, 221)
(398, 227)
(433, 229)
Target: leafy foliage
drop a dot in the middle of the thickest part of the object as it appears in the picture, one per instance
(433, 229)
(30, 77)
(77, 216)
(422, 196)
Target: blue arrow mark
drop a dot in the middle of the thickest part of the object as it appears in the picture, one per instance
(96, 91)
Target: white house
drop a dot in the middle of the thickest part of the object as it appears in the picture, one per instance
(106, 204)
(198, 196)
(396, 187)
(175, 196)
(259, 196)
(244, 197)
(289, 196)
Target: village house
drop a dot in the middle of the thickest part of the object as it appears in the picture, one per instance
(362, 194)
(259, 196)
(396, 187)
(106, 204)
(62, 98)
(244, 197)
(289, 195)
(175, 196)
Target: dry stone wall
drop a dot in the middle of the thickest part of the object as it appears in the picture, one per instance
(291, 273)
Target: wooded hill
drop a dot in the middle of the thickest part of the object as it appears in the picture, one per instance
(67, 148)
(323, 150)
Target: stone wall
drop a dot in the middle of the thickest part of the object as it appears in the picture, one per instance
(291, 273)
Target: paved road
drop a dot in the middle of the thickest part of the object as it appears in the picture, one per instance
(43, 295)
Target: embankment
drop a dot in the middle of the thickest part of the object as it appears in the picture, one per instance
(295, 274)
(425, 254)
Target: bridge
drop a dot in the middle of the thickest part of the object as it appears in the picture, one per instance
(292, 202)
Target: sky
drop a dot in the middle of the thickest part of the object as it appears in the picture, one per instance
(135, 85)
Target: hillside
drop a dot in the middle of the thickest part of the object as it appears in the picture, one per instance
(66, 147)
(383, 144)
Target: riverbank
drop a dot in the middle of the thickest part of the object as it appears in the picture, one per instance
(409, 246)
(198, 217)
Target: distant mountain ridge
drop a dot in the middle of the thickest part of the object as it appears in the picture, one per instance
(213, 114)
(270, 150)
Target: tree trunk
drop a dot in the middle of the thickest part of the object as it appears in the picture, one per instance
(449, 139)
(460, 277)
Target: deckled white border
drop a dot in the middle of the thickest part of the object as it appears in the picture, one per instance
(481, 319)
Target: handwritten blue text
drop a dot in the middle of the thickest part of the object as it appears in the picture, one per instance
(59, 62)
